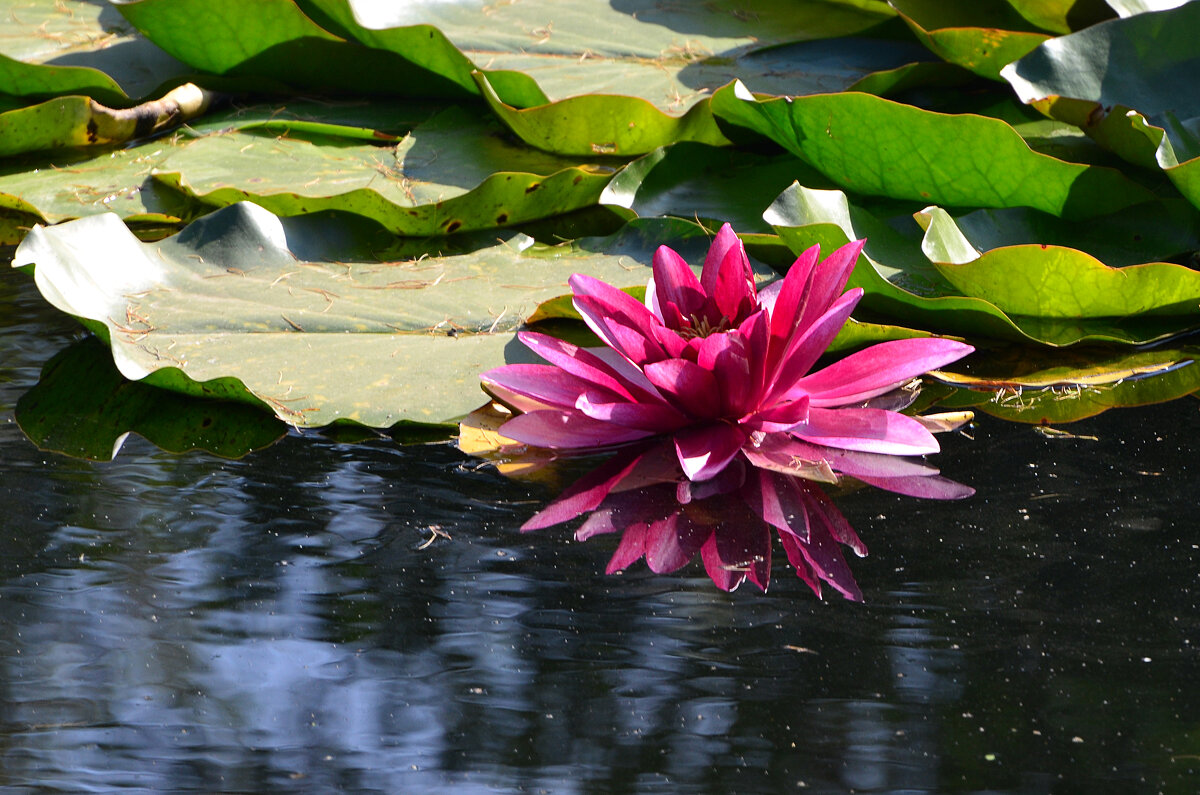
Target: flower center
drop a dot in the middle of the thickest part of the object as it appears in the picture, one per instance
(700, 327)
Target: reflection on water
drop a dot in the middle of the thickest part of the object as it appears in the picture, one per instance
(299, 621)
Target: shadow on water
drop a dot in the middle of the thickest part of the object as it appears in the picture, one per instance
(367, 618)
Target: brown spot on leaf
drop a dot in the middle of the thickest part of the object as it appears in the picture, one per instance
(502, 218)
(92, 131)
(453, 226)
(533, 187)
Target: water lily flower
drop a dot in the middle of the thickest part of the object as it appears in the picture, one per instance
(720, 368)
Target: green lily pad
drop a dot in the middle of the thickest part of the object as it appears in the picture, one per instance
(243, 304)
(83, 407)
(871, 145)
(1065, 404)
(1023, 367)
(454, 173)
(981, 37)
(720, 185)
(1062, 16)
(900, 283)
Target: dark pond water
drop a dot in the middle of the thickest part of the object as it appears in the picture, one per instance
(176, 623)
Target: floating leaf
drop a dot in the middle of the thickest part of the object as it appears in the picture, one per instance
(246, 305)
(979, 36)
(83, 407)
(454, 173)
(875, 146)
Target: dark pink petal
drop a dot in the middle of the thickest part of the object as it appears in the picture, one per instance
(728, 480)
(675, 282)
(746, 547)
(756, 332)
(653, 417)
(878, 369)
(734, 294)
(807, 346)
(822, 510)
(567, 430)
(599, 522)
(824, 557)
(528, 387)
(584, 494)
(856, 464)
(590, 364)
(790, 295)
(725, 242)
(687, 385)
(791, 548)
(630, 374)
(931, 488)
(868, 430)
(630, 550)
(725, 356)
(780, 417)
(634, 340)
(724, 576)
(706, 450)
(673, 541)
(774, 500)
(829, 280)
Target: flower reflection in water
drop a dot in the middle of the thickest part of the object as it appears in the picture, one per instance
(709, 386)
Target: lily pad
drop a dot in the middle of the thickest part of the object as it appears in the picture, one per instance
(979, 36)
(926, 295)
(273, 311)
(83, 407)
(454, 173)
(874, 146)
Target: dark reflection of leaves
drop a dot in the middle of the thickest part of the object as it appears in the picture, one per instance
(83, 407)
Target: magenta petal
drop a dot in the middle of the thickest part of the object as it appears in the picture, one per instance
(746, 547)
(860, 465)
(590, 364)
(724, 576)
(687, 385)
(673, 541)
(675, 282)
(725, 241)
(824, 557)
(804, 349)
(878, 369)
(725, 356)
(706, 450)
(804, 571)
(791, 294)
(868, 430)
(528, 387)
(930, 488)
(780, 417)
(774, 500)
(822, 510)
(584, 494)
(829, 280)
(633, 339)
(630, 550)
(734, 292)
(567, 430)
(653, 417)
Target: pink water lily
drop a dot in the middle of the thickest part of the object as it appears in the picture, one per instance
(721, 368)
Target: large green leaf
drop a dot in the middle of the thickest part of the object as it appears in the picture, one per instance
(454, 173)
(297, 315)
(980, 36)
(56, 47)
(83, 407)
(1130, 84)
(875, 146)
(903, 284)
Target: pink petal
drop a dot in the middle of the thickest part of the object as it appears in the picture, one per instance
(653, 417)
(823, 558)
(630, 550)
(878, 369)
(724, 355)
(780, 417)
(930, 488)
(725, 241)
(687, 385)
(529, 387)
(856, 464)
(590, 365)
(567, 430)
(584, 494)
(790, 295)
(804, 571)
(775, 500)
(804, 349)
(632, 337)
(868, 430)
(675, 282)
(829, 280)
(822, 510)
(723, 575)
(673, 541)
(706, 450)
